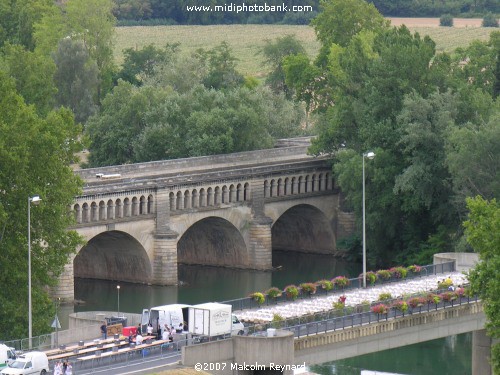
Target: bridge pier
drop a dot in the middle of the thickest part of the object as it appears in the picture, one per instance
(261, 247)
(65, 288)
(481, 353)
(165, 259)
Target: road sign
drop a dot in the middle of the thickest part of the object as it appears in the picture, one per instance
(55, 323)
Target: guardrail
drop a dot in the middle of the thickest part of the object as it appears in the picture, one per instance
(354, 283)
(349, 317)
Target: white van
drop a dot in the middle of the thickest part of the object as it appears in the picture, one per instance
(7, 355)
(29, 363)
(173, 315)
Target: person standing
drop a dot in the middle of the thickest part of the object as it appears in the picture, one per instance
(58, 368)
(69, 369)
(104, 331)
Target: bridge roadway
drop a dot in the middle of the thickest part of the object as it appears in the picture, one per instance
(223, 210)
(344, 337)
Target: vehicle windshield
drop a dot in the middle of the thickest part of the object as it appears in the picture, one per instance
(17, 364)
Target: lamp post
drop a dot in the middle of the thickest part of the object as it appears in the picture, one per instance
(118, 289)
(370, 155)
(35, 200)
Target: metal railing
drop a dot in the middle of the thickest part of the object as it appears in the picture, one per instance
(349, 317)
(247, 303)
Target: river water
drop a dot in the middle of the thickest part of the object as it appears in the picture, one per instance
(451, 355)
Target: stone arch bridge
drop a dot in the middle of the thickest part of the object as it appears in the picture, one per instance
(141, 220)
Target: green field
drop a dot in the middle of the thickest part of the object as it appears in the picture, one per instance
(247, 41)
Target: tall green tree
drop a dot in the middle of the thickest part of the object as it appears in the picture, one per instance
(340, 20)
(35, 153)
(482, 231)
(274, 52)
(33, 74)
(76, 77)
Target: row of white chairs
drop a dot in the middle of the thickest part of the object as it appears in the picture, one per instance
(353, 297)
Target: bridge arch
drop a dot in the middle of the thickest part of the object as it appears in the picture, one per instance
(303, 228)
(113, 255)
(212, 241)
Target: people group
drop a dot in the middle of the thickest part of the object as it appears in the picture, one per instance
(63, 368)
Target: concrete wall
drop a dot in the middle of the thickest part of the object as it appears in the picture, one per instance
(463, 261)
(243, 354)
(390, 334)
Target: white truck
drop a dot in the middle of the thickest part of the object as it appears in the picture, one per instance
(28, 364)
(213, 319)
(7, 355)
(158, 316)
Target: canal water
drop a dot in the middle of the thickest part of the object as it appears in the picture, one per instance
(451, 355)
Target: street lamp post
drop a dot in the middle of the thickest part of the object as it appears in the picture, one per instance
(118, 289)
(370, 155)
(35, 200)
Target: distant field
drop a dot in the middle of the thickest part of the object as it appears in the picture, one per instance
(247, 41)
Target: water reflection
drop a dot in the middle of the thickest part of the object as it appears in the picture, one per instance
(451, 355)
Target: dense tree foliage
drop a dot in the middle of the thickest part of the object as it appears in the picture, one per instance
(483, 234)
(76, 78)
(274, 53)
(35, 153)
(425, 115)
(153, 123)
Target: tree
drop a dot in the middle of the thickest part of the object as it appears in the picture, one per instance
(35, 153)
(473, 158)
(482, 231)
(222, 72)
(76, 78)
(274, 53)
(340, 20)
(33, 74)
(140, 64)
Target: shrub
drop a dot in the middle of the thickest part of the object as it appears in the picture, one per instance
(490, 20)
(325, 284)
(448, 296)
(341, 281)
(371, 277)
(338, 305)
(383, 274)
(433, 298)
(401, 306)
(274, 292)
(308, 288)
(416, 302)
(277, 321)
(384, 296)
(446, 20)
(291, 292)
(258, 297)
(398, 272)
(380, 309)
(414, 269)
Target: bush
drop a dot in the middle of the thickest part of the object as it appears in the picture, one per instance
(380, 309)
(308, 288)
(490, 20)
(384, 296)
(291, 292)
(258, 297)
(274, 292)
(278, 321)
(340, 281)
(398, 272)
(446, 20)
(401, 306)
(383, 274)
(371, 277)
(325, 284)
